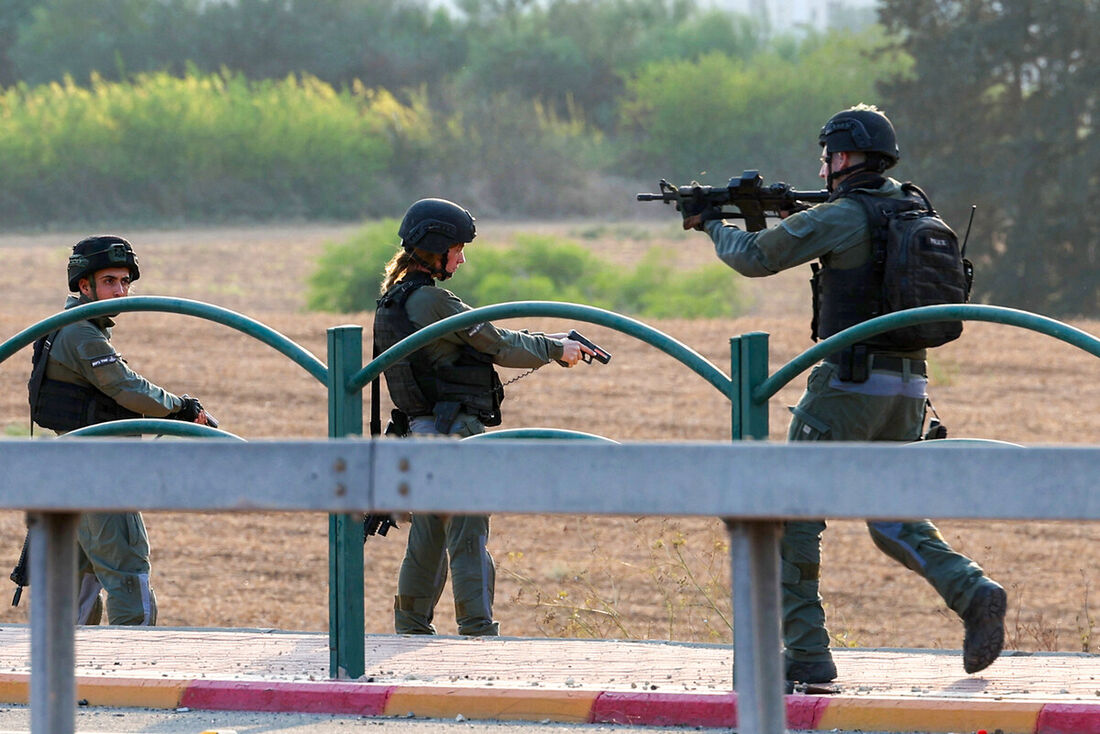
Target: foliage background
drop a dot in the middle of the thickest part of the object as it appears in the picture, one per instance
(168, 112)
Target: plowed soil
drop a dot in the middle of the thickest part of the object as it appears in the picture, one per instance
(560, 575)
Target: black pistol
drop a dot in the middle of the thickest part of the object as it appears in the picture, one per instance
(601, 355)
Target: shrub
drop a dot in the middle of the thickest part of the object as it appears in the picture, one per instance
(349, 273)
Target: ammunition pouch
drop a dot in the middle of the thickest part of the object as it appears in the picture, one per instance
(65, 406)
(473, 385)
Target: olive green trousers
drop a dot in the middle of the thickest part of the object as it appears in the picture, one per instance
(826, 412)
(438, 543)
(114, 547)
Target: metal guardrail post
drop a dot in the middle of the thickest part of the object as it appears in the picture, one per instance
(757, 661)
(754, 558)
(347, 654)
(53, 615)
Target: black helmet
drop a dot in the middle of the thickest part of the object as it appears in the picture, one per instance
(862, 129)
(99, 252)
(435, 225)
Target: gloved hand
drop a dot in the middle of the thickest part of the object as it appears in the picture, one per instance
(189, 411)
(697, 211)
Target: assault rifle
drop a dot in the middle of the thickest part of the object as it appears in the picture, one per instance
(21, 574)
(377, 525)
(754, 200)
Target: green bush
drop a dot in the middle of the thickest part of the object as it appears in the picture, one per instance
(349, 273)
(535, 268)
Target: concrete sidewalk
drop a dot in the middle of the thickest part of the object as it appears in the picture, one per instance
(608, 681)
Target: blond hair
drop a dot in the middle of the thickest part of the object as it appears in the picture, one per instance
(403, 262)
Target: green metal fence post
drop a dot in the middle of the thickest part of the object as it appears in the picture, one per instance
(345, 532)
(736, 421)
(748, 368)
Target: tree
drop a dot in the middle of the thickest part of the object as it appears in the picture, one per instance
(16, 14)
(1001, 111)
(713, 117)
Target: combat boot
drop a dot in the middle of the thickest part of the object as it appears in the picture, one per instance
(822, 671)
(985, 627)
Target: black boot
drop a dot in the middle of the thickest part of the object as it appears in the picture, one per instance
(985, 627)
(820, 672)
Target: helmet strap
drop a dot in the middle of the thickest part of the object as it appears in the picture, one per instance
(439, 272)
(833, 175)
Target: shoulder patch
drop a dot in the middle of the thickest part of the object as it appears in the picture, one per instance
(104, 360)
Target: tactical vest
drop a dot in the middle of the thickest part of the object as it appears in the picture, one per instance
(65, 406)
(845, 297)
(416, 388)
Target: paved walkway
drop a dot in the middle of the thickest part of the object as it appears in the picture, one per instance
(610, 681)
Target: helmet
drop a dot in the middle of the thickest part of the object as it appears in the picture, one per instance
(435, 225)
(862, 129)
(99, 252)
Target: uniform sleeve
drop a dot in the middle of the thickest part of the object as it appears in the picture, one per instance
(798, 239)
(506, 347)
(93, 358)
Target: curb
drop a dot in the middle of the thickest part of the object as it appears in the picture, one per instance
(706, 710)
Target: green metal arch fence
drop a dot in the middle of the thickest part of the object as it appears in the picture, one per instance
(753, 400)
(155, 426)
(923, 315)
(589, 314)
(263, 333)
(748, 387)
(558, 434)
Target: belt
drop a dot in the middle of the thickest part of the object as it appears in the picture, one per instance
(893, 364)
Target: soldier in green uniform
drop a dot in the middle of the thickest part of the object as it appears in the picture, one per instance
(79, 380)
(449, 387)
(868, 392)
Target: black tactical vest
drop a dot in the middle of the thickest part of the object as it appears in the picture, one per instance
(415, 387)
(65, 406)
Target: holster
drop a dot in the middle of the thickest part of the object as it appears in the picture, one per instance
(398, 424)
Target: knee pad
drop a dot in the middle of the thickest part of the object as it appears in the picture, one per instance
(796, 573)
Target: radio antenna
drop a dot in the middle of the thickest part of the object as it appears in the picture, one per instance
(966, 237)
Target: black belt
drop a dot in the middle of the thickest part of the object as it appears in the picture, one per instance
(885, 362)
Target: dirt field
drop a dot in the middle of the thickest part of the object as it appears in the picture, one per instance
(559, 575)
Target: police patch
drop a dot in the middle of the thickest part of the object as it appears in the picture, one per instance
(107, 359)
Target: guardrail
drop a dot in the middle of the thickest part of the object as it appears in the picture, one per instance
(755, 485)
(325, 476)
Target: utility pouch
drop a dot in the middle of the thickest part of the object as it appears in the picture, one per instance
(852, 364)
(445, 414)
(860, 363)
(398, 425)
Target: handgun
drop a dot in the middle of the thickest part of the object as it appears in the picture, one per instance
(601, 354)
